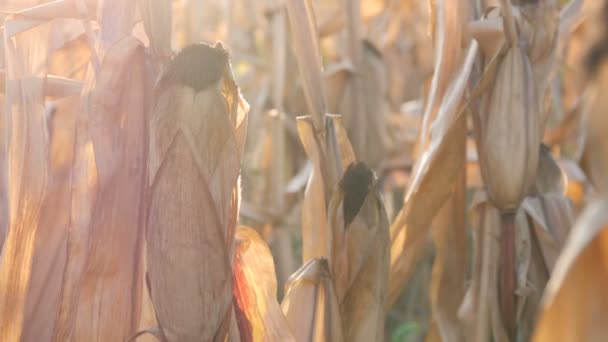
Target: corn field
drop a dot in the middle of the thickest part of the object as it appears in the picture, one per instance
(303, 170)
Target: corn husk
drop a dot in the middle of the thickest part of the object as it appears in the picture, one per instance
(255, 290)
(310, 304)
(26, 56)
(509, 131)
(197, 133)
(359, 257)
(50, 247)
(578, 280)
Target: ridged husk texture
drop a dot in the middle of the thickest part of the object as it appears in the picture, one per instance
(197, 132)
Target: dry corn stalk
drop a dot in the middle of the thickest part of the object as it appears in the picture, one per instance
(197, 133)
(442, 145)
(447, 288)
(480, 311)
(359, 255)
(259, 315)
(310, 304)
(315, 232)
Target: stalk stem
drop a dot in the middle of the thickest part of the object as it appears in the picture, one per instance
(507, 272)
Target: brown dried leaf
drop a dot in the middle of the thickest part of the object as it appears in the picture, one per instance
(197, 136)
(310, 304)
(578, 281)
(255, 288)
(430, 184)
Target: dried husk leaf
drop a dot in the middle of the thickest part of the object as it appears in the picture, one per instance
(578, 281)
(49, 259)
(551, 216)
(310, 304)
(359, 258)
(102, 284)
(509, 132)
(255, 288)
(197, 133)
(26, 57)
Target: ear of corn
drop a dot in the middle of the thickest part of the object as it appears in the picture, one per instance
(510, 131)
(310, 297)
(359, 257)
(197, 134)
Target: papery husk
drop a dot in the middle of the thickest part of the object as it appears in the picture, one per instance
(255, 289)
(509, 131)
(480, 310)
(44, 290)
(102, 279)
(579, 281)
(310, 304)
(324, 176)
(359, 258)
(197, 133)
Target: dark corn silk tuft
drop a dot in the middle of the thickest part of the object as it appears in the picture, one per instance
(200, 57)
(355, 184)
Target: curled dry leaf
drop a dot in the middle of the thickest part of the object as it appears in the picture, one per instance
(310, 304)
(359, 255)
(102, 279)
(578, 280)
(255, 290)
(197, 133)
